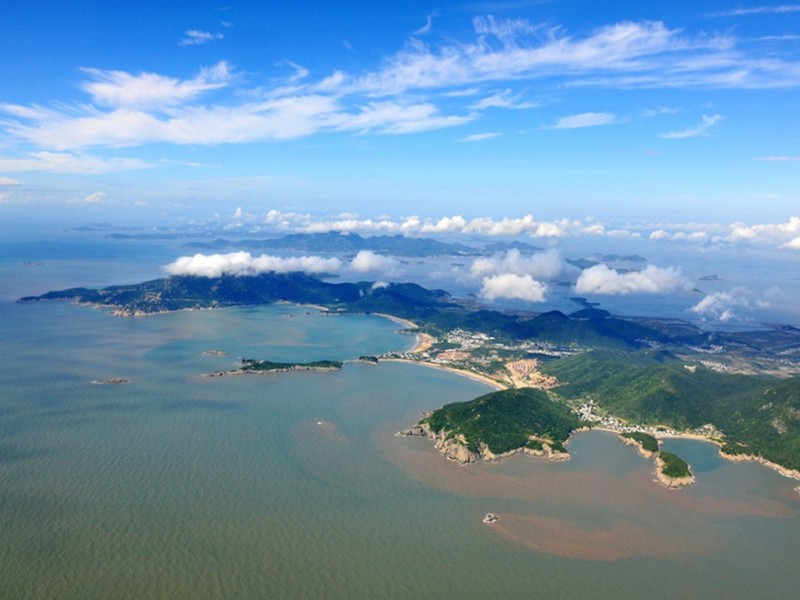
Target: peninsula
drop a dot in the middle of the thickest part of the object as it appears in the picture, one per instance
(500, 424)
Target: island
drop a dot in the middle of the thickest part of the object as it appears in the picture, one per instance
(251, 366)
(110, 381)
(661, 377)
(671, 470)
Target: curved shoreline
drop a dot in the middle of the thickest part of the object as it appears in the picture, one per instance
(470, 374)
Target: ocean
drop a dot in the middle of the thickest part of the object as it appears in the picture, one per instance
(294, 485)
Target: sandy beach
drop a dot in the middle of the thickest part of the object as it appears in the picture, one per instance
(405, 322)
(472, 375)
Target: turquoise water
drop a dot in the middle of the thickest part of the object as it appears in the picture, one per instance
(294, 485)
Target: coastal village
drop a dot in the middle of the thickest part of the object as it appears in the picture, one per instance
(507, 365)
(478, 354)
(504, 365)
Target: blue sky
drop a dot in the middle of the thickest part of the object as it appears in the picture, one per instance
(628, 112)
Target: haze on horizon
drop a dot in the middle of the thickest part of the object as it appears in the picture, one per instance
(662, 129)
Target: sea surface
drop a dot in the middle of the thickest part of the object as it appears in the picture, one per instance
(294, 485)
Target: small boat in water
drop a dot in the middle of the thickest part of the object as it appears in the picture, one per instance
(491, 518)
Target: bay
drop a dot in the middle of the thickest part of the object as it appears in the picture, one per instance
(290, 485)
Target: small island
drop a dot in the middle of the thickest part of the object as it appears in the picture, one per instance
(110, 381)
(671, 470)
(251, 366)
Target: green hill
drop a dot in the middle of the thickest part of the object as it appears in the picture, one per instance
(758, 415)
(506, 420)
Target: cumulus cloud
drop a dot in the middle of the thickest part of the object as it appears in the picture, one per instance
(546, 265)
(783, 233)
(8, 181)
(367, 261)
(514, 287)
(600, 279)
(792, 244)
(243, 263)
(413, 225)
(728, 306)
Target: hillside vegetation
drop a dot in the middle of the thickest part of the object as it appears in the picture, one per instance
(757, 415)
(505, 420)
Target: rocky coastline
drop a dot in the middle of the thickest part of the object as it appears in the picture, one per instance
(672, 482)
(455, 447)
(636, 444)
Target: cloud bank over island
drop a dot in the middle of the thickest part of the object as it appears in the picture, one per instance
(367, 261)
(735, 304)
(243, 263)
(602, 280)
(784, 235)
(513, 287)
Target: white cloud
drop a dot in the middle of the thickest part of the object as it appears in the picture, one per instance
(479, 137)
(589, 119)
(512, 286)
(367, 261)
(66, 162)
(780, 158)
(243, 263)
(425, 29)
(643, 54)
(792, 244)
(195, 37)
(503, 99)
(600, 279)
(774, 233)
(8, 181)
(132, 109)
(94, 198)
(727, 306)
(275, 119)
(545, 265)
(412, 225)
(119, 89)
(759, 10)
(707, 123)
